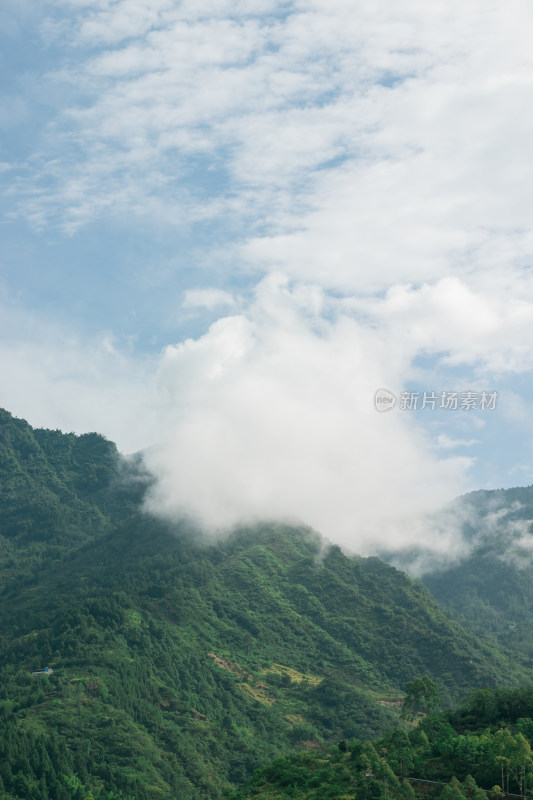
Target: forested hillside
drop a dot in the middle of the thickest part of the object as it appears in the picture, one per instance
(179, 667)
(476, 753)
(492, 588)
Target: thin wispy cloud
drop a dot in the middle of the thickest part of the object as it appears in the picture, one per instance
(447, 443)
(207, 298)
(411, 119)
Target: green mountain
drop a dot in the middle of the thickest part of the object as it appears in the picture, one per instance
(179, 667)
(491, 589)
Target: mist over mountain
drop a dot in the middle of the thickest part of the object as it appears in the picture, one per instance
(490, 588)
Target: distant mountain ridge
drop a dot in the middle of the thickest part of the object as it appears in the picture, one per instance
(492, 588)
(178, 668)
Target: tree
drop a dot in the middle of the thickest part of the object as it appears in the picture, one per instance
(422, 696)
(407, 792)
(453, 791)
(472, 790)
(514, 755)
(521, 760)
(398, 751)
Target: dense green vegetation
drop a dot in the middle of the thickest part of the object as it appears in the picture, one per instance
(492, 589)
(180, 667)
(484, 745)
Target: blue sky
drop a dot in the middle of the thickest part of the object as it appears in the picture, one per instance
(225, 225)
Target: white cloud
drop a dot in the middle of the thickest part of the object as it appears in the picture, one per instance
(270, 415)
(57, 380)
(445, 442)
(467, 325)
(427, 108)
(456, 531)
(209, 298)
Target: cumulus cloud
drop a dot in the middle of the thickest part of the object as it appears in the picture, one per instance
(469, 325)
(270, 416)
